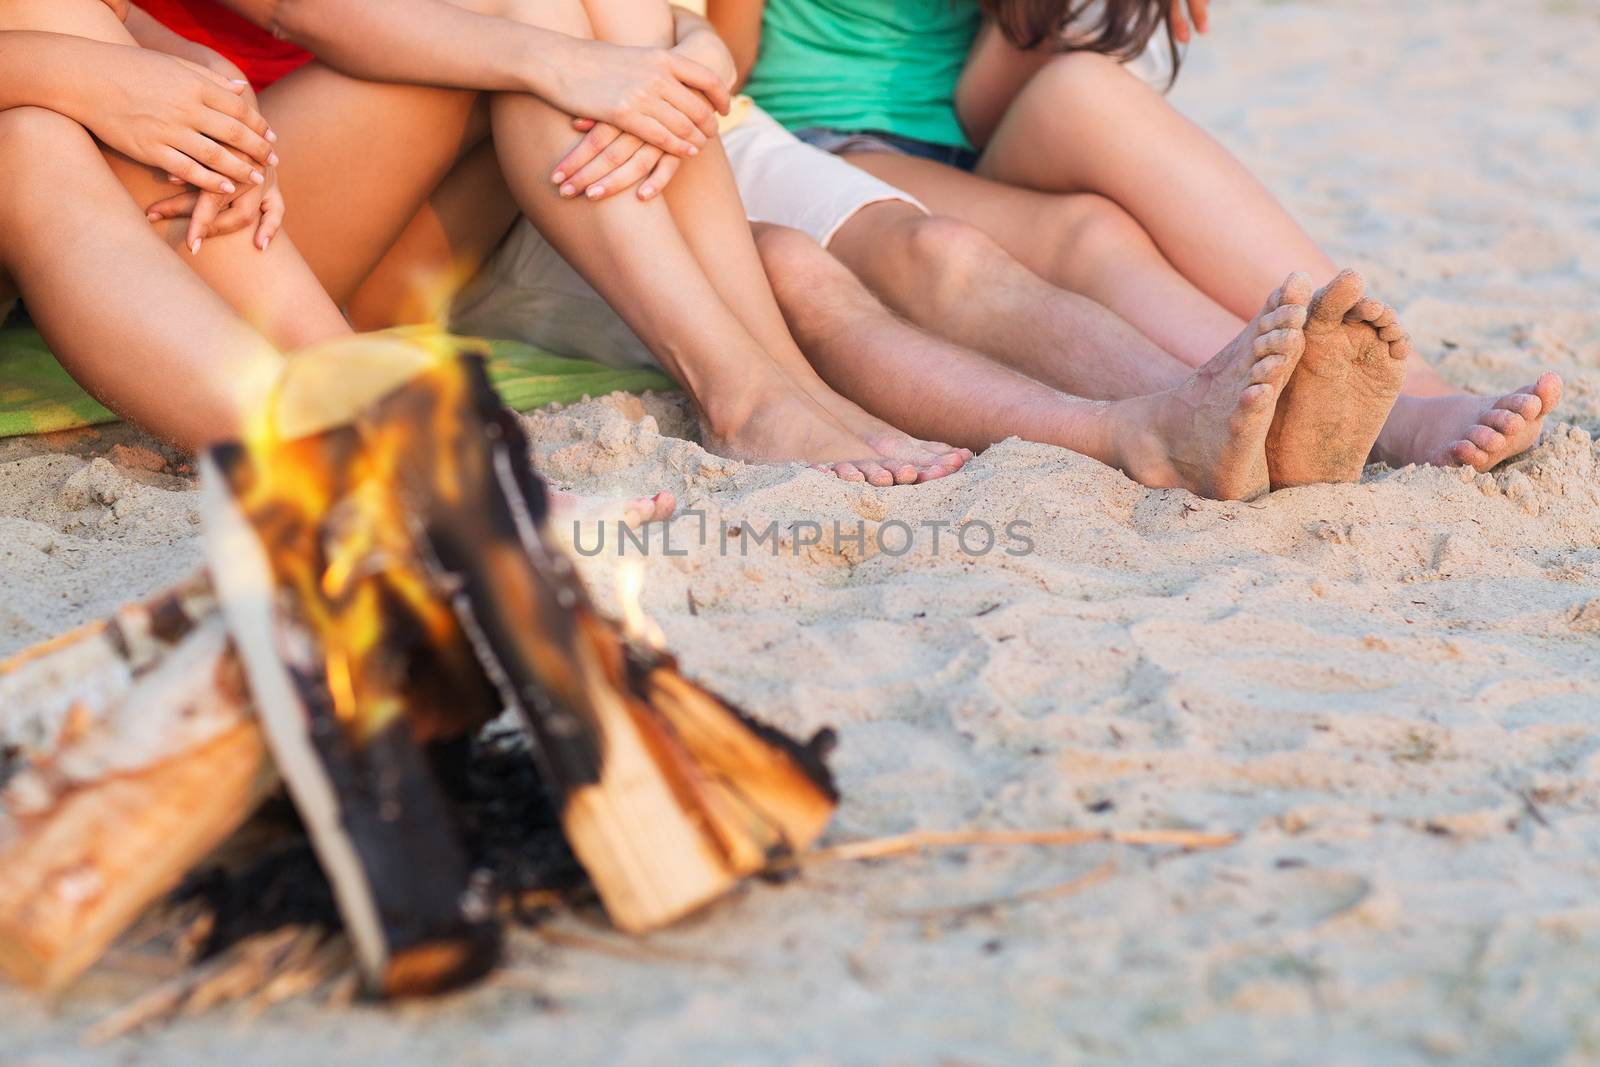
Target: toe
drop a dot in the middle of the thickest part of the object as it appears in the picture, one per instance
(904, 472)
(1548, 390)
(664, 505)
(1278, 342)
(1334, 300)
(849, 472)
(876, 473)
(1270, 371)
(1256, 397)
(1491, 441)
(1296, 289)
(1367, 310)
(1286, 317)
(1506, 422)
(1528, 405)
(1470, 455)
(1391, 333)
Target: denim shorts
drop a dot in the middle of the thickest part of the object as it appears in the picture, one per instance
(841, 141)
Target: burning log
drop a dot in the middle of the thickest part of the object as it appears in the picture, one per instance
(380, 586)
(133, 753)
(380, 555)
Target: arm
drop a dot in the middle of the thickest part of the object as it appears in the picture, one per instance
(995, 73)
(162, 112)
(665, 98)
(738, 22)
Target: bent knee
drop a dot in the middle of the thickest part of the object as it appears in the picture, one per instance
(945, 250)
(1079, 72)
(794, 262)
(1087, 225)
(29, 129)
(562, 16)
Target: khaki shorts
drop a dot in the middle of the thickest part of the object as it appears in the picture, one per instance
(527, 292)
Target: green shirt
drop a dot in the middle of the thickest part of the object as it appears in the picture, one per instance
(889, 65)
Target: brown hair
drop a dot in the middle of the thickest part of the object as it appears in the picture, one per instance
(1122, 29)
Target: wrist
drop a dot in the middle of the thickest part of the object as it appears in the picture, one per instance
(527, 65)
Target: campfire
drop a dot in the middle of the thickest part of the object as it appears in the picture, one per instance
(379, 589)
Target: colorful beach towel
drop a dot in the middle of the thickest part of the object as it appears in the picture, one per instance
(38, 396)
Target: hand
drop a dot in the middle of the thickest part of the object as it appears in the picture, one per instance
(1197, 12)
(213, 215)
(620, 159)
(656, 94)
(179, 117)
(118, 8)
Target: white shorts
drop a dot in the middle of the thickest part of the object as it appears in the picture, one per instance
(527, 292)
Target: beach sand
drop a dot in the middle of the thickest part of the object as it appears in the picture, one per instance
(1390, 690)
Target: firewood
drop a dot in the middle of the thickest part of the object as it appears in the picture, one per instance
(354, 665)
(153, 762)
(668, 795)
(367, 551)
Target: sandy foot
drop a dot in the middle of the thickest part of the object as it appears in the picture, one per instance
(1209, 434)
(1338, 399)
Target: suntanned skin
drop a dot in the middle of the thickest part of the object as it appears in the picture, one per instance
(1171, 231)
(433, 205)
(1167, 230)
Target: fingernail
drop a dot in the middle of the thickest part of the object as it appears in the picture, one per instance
(257, 177)
(568, 190)
(228, 187)
(238, 81)
(194, 249)
(558, 177)
(646, 192)
(272, 136)
(152, 216)
(272, 159)
(174, 179)
(596, 192)
(693, 151)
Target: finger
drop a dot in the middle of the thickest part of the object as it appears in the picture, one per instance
(632, 171)
(208, 153)
(653, 130)
(173, 207)
(696, 110)
(659, 177)
(205, 214)
(583, 125)
(227, 130)
(1199, 11)
(236, 216)
(272, 207)
(594, 142)
(618, 153)
(1180, 25)
(192, 173)
(241, 110)
(233, 85)
(703, 78)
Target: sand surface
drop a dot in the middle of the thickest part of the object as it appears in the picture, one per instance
(1391, 690)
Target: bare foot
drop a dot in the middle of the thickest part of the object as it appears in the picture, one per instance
(1339, 397)
(1464, 430)
(1209, 434)
(911, 458)
(784, 425)
(630, 512)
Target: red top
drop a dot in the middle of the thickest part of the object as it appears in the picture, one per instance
(263, 57)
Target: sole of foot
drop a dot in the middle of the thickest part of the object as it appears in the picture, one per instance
(1462, 430)
(1340, 396)
(1209, 434)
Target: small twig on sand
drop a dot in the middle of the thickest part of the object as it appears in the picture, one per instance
(881, 847)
